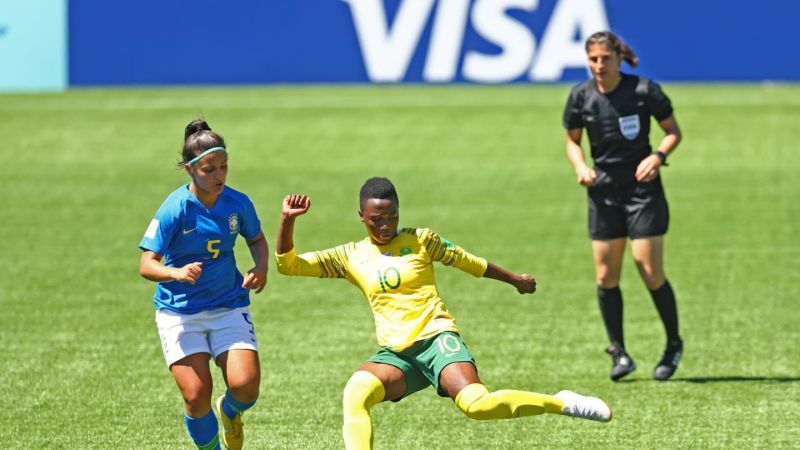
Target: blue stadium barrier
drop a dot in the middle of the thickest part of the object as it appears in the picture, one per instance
(154, 42)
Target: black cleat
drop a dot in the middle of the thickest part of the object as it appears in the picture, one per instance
(622, 363)
(669, 361)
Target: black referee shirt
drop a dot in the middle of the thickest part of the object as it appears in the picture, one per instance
(618, 123)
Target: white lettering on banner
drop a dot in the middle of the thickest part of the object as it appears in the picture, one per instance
(515, 41)
(558, 50)
(388, 53)
(388, 49)
(448, 32)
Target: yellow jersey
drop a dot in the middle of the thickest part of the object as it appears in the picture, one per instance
(397, 279)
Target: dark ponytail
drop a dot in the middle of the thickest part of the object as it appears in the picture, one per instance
(195, 126)
(197, 138)
(613, 42)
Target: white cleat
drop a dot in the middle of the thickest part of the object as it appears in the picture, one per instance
(581, 406)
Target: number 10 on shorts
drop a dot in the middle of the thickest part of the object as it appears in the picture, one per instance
(448, 344)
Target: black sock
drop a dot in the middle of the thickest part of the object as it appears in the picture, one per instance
(610, 301)
(664, 298)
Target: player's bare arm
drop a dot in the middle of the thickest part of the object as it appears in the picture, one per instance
(256, 278)
(524, 283)
(294, 205)
(151, 268)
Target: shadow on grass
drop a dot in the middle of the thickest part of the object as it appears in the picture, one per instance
(728, 379)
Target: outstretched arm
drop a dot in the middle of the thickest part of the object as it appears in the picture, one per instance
(293, 206)
(524, 283)
(323, 263)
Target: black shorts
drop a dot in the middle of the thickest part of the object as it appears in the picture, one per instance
(634, 210)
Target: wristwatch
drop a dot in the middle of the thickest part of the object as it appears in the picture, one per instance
(662, 156)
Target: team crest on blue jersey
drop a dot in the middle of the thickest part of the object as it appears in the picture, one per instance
(629, 126)
(233, 223)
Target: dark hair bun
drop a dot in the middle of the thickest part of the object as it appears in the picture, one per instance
(195, 126)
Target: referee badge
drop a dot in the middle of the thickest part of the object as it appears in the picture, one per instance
(629, 126)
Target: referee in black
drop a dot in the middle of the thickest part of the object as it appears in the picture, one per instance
(625, 195)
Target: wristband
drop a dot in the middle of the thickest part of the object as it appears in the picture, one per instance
(662, 156)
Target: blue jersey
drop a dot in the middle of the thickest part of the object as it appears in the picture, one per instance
(184, 231)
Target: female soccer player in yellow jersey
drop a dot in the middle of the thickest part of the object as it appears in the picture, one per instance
(420, 342)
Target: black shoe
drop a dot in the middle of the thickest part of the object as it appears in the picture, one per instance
(622, 363)
(669, 362)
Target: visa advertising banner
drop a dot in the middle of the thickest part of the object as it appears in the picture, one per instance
(155, 42)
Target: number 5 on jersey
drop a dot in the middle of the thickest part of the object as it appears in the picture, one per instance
(213, 250)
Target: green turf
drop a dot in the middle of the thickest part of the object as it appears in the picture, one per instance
(84, 171)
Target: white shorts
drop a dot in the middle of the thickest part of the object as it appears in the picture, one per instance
(215, 332)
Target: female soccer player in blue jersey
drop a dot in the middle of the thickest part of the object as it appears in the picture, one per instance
(625, 195)
(201, 298)
(420, 342)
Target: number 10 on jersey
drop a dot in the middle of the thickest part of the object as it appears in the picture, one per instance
(389, 278)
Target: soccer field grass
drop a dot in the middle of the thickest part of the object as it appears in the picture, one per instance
(84, 172)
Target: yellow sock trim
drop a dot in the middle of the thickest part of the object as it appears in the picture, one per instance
(478, 403)
(363, 391)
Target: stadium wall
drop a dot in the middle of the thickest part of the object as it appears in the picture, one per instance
(152, 42)
(33, 45)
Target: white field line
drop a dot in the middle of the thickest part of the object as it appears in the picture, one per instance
(369, 99)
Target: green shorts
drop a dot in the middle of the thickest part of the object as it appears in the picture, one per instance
(424, 361)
